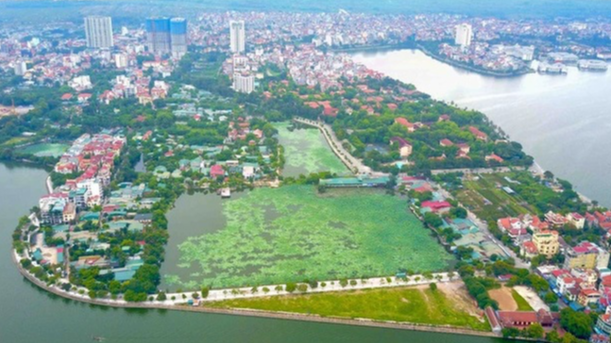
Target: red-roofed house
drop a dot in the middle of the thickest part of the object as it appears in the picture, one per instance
(478, 134)
(494, 157)
(528, 249)
(513, 226)
(588, 296)
(436, 206)
(445, 142)
(84, 97)
(405, 147)
(66, 97)
(405, 123)
(523, 319)
(216, 171)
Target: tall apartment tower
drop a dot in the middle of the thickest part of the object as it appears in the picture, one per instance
(178, 36)
(98, 31)
(158, 35)
(463, 35)
(237, 36)
(243, 82)
(20, 68)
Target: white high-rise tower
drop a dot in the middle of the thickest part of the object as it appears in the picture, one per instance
(98, 31)
(237, 36)
(463, 35)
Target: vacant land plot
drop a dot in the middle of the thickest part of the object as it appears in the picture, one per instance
(523, 305)
(504, 297)
(414, 305)
(485, 196)
(306, 151)
(293, 233)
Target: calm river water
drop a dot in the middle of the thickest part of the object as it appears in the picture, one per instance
(28, 314)
(564, 121)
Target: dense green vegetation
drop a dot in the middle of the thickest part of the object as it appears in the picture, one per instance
(423, 306)
(293, 233)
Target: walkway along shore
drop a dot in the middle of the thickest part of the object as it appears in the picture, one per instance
(249, 312)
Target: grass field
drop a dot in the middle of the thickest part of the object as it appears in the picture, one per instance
(522, 303)
(14, 141)
(413, 305)
(45, 150)
(489, 201)
(306, 151)
(292, 234)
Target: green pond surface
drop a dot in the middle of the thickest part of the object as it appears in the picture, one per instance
(45, 150)
(292, 233)
(306, 151)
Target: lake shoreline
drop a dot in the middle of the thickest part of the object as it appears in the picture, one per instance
(253, 313)
(474, 69)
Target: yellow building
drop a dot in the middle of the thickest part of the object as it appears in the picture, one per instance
(546, 242)
(586, 255)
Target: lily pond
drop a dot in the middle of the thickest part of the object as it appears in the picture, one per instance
(293, 233)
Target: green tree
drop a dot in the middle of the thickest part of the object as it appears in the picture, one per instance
(534, 331)
(290, 287)
(205, 292)
(577, 323)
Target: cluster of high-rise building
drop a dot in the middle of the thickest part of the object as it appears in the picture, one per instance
(167, 35)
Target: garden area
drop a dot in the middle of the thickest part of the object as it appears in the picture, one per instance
(484, 195)
(422, 305)
(306, 151)
(293, 233)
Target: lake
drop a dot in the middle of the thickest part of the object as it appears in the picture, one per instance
(29, 314)
(563, 121)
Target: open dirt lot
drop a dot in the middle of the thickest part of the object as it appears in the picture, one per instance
(504, 298)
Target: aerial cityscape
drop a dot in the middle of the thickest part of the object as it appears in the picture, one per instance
(315, 171)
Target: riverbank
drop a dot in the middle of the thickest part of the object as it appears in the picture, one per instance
(247, 312)
(474, 69)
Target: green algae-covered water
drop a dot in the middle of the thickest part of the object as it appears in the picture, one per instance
(293, 233)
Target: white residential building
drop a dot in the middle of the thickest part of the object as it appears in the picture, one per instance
(237, 36)
(20, 68)
(121, 61)
(243, 83)
(463, 35)
(98, 31)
